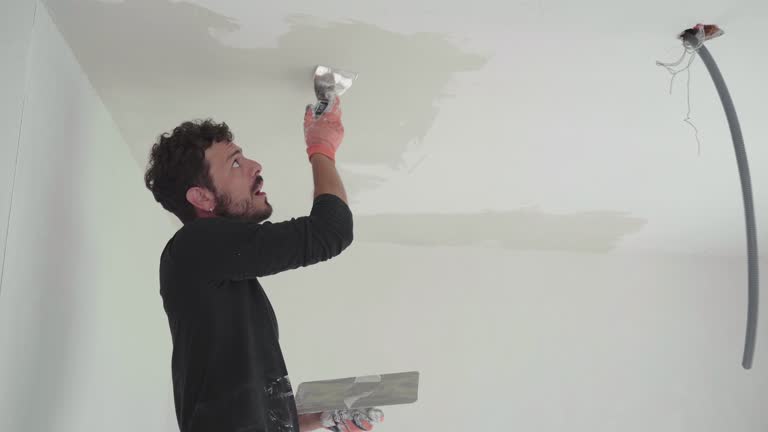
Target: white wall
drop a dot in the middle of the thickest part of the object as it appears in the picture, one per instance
(503, 339)
(510, 340)
(15, 36)
(83, 338)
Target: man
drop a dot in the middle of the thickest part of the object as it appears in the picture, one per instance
(227, 366)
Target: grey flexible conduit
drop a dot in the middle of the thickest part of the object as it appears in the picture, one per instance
(746, 190)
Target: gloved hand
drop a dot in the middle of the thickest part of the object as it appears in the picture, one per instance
(324, 134)
(355, 420)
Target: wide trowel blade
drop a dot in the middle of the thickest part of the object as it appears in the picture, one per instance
(358, 392)
(329, 83)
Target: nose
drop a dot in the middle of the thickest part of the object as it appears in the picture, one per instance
(256, 168)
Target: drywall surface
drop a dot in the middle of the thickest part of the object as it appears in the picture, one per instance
(15, 36)
(530, 244)
(83, 337)
(459, 112)
(544, 341)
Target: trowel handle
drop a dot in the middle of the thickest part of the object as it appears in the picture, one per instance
(322, 106)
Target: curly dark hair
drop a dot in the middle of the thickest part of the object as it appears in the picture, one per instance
(177, 162)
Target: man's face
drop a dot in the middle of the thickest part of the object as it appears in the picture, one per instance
(238, 183)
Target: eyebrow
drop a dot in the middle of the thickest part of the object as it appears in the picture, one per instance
(238, 151)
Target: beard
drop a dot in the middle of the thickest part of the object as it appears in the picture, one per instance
(244, 210)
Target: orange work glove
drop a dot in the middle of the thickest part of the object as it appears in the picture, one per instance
(324, 134)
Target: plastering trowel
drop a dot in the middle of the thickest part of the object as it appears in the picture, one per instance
(358, 392)
(329, 83)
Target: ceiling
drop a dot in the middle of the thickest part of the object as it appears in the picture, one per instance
(530, 125)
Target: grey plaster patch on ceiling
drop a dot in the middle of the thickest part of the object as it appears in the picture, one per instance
(526, 229)
(156, 64)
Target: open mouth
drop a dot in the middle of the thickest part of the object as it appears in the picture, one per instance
(257, 190)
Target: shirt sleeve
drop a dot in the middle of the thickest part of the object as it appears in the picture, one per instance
(226, 248)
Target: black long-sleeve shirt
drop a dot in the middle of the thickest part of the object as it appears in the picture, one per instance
(228, 369)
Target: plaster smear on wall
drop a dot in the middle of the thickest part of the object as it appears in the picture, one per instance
(527, 229)
(157, 63)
